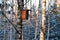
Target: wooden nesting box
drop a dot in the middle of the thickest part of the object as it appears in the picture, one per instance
(24, 14)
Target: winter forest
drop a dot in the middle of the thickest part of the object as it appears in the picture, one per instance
(29, 19)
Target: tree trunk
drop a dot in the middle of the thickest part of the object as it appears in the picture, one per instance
(42, 28)
(19, 20)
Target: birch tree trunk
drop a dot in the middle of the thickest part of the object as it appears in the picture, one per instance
(42, 28)
(19, 20)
